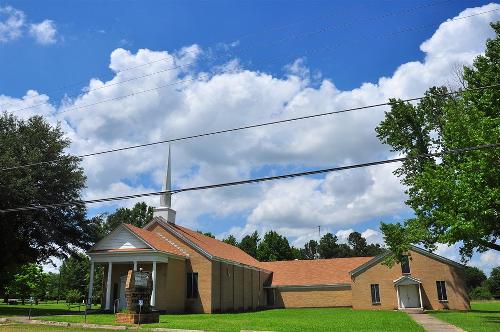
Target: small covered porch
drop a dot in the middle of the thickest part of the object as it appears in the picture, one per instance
(129, 247)
(116, 266)
(409, 292)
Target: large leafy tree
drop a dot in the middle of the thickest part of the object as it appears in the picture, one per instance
(30, 281)
(456, 197)
(249, 244)
(311, 250)
(36, 235)
(493, 282)
(474, 277)
(330, 248)
(139, 215)
(274, 247)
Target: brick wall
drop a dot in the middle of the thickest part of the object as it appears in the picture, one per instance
(313, 298)
(195, 263)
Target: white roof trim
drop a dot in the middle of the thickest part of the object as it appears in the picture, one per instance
(408, 279)
(119, 227)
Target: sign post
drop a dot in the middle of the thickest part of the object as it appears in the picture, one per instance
(141, 302)
(85, 310)
(31, 306)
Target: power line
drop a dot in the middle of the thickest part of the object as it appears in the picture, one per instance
(250, 181)
(292, 37)
(408, 29)
(263, 124)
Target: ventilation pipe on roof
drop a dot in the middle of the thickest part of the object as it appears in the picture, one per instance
(165, 210)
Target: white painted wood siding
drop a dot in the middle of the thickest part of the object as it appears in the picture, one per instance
(120, 239)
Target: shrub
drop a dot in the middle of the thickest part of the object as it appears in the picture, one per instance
(73, 296)
(480, 293)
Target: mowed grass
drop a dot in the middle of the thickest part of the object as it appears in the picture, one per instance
(15, 327)
(484, 316)
(320, 319)
(42, 309)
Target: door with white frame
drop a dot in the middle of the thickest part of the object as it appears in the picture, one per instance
(409, 296)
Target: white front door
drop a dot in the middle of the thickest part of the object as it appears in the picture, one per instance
(123, 301)
(409, 296)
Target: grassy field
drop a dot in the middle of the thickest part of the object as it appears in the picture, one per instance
(42, 309)
(28, 327)
(483, 317)
(328, 319)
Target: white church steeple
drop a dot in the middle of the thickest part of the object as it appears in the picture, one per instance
(165, 209)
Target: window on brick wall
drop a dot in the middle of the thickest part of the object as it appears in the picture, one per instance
(375, 289)
(192, 285)
(405, 265)
(441, 290)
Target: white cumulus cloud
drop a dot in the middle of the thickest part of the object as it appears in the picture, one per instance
(11, 23)
(44, 32)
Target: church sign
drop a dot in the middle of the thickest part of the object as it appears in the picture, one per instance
(141, 279)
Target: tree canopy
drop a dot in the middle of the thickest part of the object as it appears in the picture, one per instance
(34, 236)
(455, 198)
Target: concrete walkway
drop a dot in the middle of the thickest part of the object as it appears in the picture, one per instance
(432, 324)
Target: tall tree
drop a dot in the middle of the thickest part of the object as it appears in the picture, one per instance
(36, 235)
(311, 250)
(231, 240)
(493, 282)
(75, 273)
(29, 281)
(359, 246)
(454, 197)
(139, 215)
(249, 244)
(474, 277)
(274, 247)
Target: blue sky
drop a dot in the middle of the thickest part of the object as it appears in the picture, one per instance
(250, 62)
(93, 29)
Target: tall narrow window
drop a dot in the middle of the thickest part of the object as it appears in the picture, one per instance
(375, 293)
(192, 285)
(441, 289)
(405, 265)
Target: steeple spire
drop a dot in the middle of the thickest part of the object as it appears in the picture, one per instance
(166, 199)
(165, 209)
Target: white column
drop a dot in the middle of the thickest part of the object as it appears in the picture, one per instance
(397, 292)
(153, 293)
(135, 265)
(91, 285)
(108, 287)
(420, 295)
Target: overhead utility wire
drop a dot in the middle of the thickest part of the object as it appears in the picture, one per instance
(214, 57)
(263, 124)
(250, 181)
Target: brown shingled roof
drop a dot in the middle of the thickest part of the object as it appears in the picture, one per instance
(313, 272)
(155, 240)
(213, 246)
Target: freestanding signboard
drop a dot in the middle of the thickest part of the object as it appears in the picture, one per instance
(138, 288)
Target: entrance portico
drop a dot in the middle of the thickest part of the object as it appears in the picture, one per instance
(117, 265)
(409, 292)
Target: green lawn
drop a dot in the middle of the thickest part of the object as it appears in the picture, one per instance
(328, 319)
(42, 309)
(29, 327)
(483, 317)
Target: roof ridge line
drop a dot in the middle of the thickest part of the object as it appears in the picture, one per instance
(172, 243)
